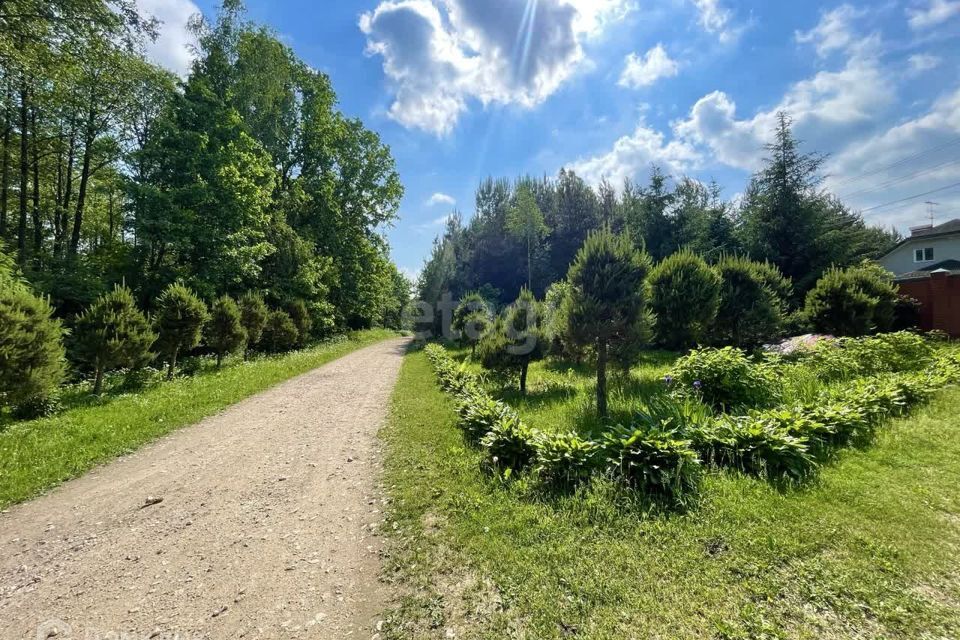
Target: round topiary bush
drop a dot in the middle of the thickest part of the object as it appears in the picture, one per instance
(685, 296)
(750, 310)
(851, 302)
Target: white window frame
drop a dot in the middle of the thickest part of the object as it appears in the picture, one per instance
(922, 252)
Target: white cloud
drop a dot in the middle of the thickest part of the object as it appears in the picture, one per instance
(634, 154)
(173, 48)
(440, 54)
(920, 62)
(642, 71)
(934, 13)
(441, 198)
(716, 19)
(833, 32)
(828, 103)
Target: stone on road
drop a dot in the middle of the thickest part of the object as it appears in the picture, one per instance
(258, 522)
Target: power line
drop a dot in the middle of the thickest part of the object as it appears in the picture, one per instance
(909, 158)
(914, 197)
(893, 181)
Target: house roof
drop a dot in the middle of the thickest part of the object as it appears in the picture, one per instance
(947, 228)
(950, 266)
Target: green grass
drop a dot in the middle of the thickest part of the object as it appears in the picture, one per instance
(40, 454)
(869, 548)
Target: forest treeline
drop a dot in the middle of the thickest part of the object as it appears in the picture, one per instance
(784, 217)
(242, 177)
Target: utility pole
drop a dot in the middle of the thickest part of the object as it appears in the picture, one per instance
(930, 206)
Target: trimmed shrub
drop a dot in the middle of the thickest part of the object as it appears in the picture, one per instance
(279, 333)
(516, 340)
(179, 323)
(31, 346)
(853, 302)
(253, 317)
(685, 296)
(652, 462)
(297, 310)
(750, 311)
(605, 306)
(565, 458)
(726, 379)
(224, 332)
(112, 334)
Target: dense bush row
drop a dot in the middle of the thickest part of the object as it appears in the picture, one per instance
(112, 334)
(676, 433)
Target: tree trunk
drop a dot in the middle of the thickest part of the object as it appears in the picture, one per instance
(5, 169)
(88, 141)
(602, 378)
(523, 378)
(173, 365)
(98, 382)
(37, 224)
(24, 173)
(219, 359)
(67, 192)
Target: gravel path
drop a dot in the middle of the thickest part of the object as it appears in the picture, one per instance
(267, 526)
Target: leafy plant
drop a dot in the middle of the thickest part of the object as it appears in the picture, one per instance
(726, 379)
(756, 445)
(509, 445)
(566, 458)
(652, 462)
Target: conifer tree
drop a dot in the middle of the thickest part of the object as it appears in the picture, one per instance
(179, 322)
(112, 333)
(224, 330)
(253, 317)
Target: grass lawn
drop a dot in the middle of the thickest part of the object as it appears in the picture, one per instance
(40, 454)
(868, 549)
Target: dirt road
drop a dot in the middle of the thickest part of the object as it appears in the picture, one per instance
(266, 529)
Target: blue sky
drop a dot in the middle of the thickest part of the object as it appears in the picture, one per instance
(463, 89)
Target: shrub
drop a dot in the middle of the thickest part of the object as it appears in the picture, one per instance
(297, 310)
(31, 345)
(509, 445)
(857, 357)
(754, 445)
(652, 462)
(472, 319)
(224, 332)
(479, 413)
(253, 317)
(112, 333)
(750, 311)
(685, 296)
(726, 379)
(605, 306)
(323, 318)
(852, 302)
(279, 333)
(565, 458)
(516, 340)
(179, 322)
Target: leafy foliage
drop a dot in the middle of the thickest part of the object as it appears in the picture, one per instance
(655, 463)
(725, 379)
(685, 296)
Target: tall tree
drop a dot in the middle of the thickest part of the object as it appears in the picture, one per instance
(525, 222)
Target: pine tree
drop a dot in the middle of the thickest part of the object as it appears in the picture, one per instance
(280, 333)
(525, 222)
(253, 317)
(606, 304)
(112, 333)
(224, 331)
(297, 310)
(179, 322)
(516, 339)
(31, 344)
